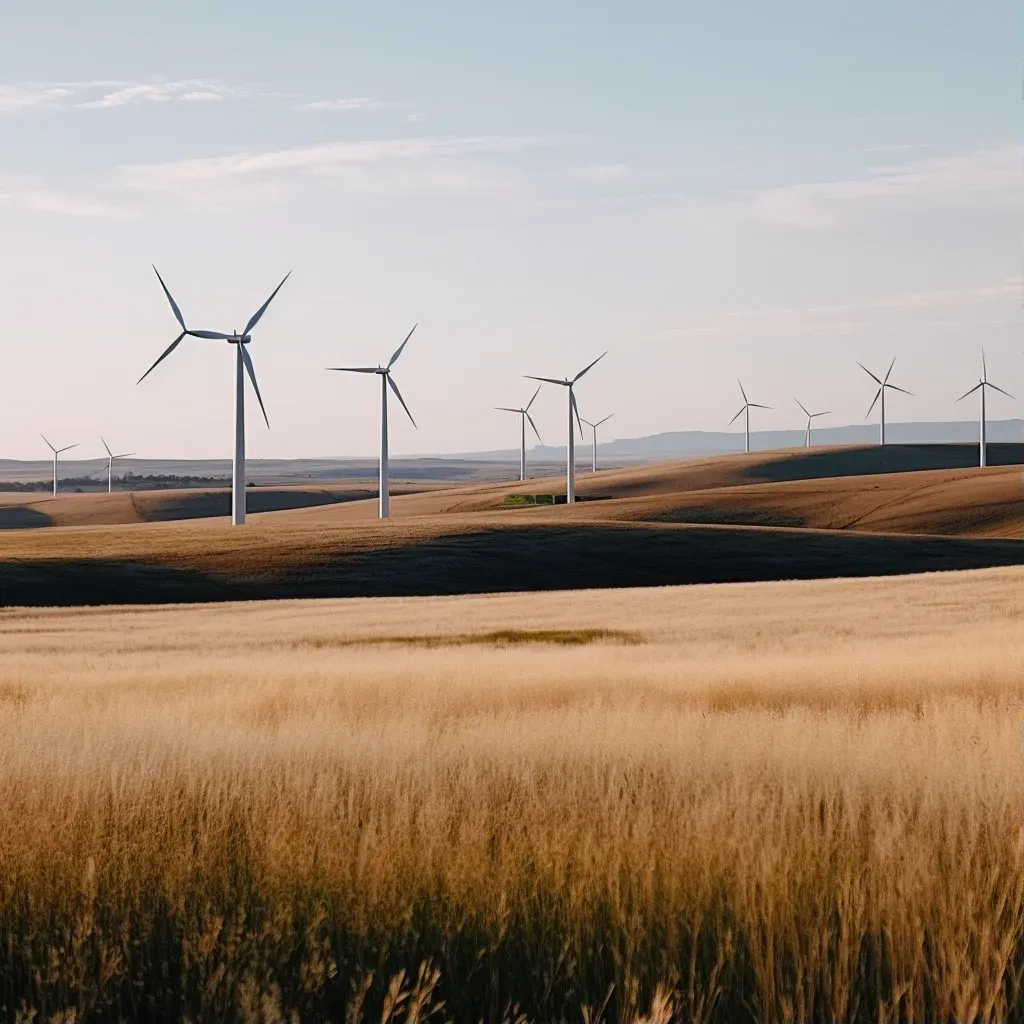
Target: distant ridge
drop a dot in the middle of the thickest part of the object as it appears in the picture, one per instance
(453, 466)
(709, 442)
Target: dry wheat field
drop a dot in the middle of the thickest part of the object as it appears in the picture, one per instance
(758, 802)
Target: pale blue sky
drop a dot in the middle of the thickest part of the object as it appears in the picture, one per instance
(707, 190)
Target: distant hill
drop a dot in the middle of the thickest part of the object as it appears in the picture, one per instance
(678, 443)
(467, 467)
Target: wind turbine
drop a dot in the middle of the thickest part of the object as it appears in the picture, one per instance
(745, 413)
(810, 416)
(524, 415)
(880, 394)
(56, 452)
(570, 458)
(242, 360)
(110, 464)
(386, 381)
(593, 431)
(983, 382)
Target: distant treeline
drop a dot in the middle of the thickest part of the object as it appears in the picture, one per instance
(130, 481)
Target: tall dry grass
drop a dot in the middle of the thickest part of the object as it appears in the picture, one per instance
(765, 802)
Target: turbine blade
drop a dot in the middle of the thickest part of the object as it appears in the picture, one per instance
(107, 446)
(247, 359)
(801, 404)
(505, 408)
(398, 351)
(827, 412)
(736, 417)
(255, 318)
(984, 368)
(877, 395)
(534, 425)
(575, 409)
(126, 455)
(547, 380)
(48, 445)
(892, 387)
(980, 384)
(209, 335)
(605, 420)
(535, 394)
(585, 368)
(742, 392)
(588, 423)
(356, 369)
(170, 299)
(869, 373)
(754, 405)
(398, 395)
(167, 351)
(887, 372)
(66, 448)
(1000, 390)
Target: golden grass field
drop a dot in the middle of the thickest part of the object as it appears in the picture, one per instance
(758, 802)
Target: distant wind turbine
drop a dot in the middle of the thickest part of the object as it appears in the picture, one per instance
(983, 382)
(810, 416)
(56, 452)
(593, 431)
(386, 381)
(880, 394)
(110, 464)
(745, 413)
(570, 458)
(524, 415)
(243, 365)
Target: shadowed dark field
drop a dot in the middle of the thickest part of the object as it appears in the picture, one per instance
(202, 562)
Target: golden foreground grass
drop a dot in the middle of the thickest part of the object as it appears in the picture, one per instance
(767, 802)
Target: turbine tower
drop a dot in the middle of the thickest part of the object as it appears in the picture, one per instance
(593, 432)
(745, 413)
(570, 455)
(386, 381)
(110, 464)
(243, 365)
(880, 394)
(810, 416)
(983, 382)
(56, 452)
(524, 415)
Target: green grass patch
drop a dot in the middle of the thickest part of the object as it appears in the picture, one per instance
(521, 500)
(495, 638)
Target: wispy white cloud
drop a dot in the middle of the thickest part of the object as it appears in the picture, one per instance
(342, 104)
(990, 176)
(850, 317)
(159, 92)
(413, 165)
(106, 94)
(27, 193)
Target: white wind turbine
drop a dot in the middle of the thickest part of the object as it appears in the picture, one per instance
(56, 452)
(593, 433)
(386, 381)
(524, 415)
(810, 416)
(570, 457)
(880, 394)
(983, 382)
(745, 413)
(243, 365)
(110, 464)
